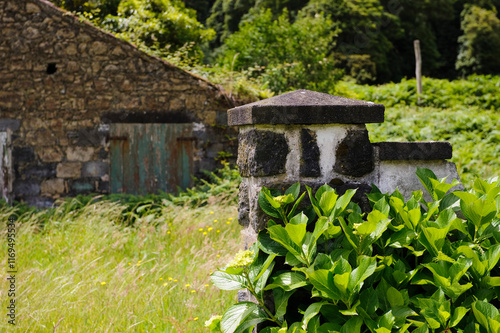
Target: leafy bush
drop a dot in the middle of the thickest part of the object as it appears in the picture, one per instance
(404, 266)
(290, 55)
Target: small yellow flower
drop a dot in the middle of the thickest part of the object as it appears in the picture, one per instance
(193, 291)
(218, 231)
(218, 256)
(211, 212)
(103, 283)
(209, 229)
(170, 278)
(168, 232)
(228, 222)
(215, 221)
(230, 219)
(206, 285)
(201, 229)
(196, 318)
(175, 280)
(165, 284)
(187, 285)
(204, 232)
(161, 279)
(129, 263)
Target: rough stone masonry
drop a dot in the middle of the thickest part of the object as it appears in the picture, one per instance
(62, 81)
(318, 139)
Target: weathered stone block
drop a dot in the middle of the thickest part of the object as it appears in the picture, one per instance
(47, 170)
(243, 204)
(12, 124)
(80, 154)
(98, 48)
(95, 169)
(262, 153)
(49, 154)
(52, 186)
(307, 107)
(32, 8)
(401, 151)
(82, 186)
(309, 162)
(85, 137)
(69, 170)
(23, 154)
(25, 188)
(354, 155)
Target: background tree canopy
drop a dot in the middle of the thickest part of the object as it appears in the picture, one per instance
(306, 44)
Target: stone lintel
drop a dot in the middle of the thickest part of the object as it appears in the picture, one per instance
(306, 107)
(407, 151)
(7, 123)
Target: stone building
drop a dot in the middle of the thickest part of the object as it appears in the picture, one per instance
(84, 112)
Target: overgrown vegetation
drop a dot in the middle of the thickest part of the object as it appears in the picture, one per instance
(407, 265)
(309, 44)
(464, 112)
(84, 267)
(219, 186)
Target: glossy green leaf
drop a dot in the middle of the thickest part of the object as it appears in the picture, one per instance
(296, 232)
(287, 281)
(227, 281)
(327, 202)
(484, 311)
(366, 268)
(311, 311)
(458, 314)
(425, 176)
(395, 297)
(353, 325)
(242, 316)
(266, 206)
(294, 190)
(281, 298)
(280, 235)
(322, 280)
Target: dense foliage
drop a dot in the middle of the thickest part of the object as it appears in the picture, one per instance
(286, 55)
(371, 41)
(407, 265)
(157, 26)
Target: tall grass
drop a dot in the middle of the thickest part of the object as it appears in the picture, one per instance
(85, 270)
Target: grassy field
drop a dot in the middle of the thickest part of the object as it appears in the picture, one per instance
(86, 271)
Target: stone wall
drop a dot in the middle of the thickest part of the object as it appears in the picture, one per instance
(318, 139)
(62, 80)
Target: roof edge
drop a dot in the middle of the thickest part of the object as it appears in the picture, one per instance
(49, 6)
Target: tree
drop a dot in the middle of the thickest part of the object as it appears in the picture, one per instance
(158, 26)
(287, 55)
(480, 42)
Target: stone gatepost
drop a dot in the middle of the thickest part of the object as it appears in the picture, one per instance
(316, 138)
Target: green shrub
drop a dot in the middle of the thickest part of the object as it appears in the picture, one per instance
(405, 266)
(289, 55)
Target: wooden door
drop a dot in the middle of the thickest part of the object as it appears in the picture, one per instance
(148, 158)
